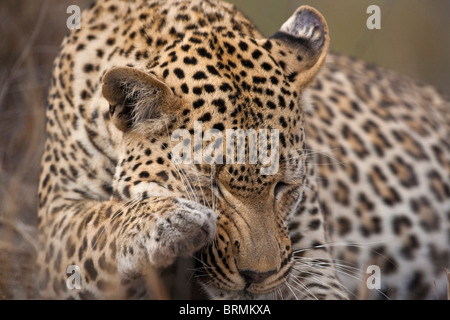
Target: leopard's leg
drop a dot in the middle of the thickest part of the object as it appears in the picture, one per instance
(313, 273)
(111, 244)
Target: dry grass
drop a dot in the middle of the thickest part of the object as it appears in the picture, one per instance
(448, 283)
(31, 32)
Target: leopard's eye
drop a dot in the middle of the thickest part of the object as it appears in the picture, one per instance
(279, 188)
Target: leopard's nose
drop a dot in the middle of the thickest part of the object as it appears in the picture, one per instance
(255, 277)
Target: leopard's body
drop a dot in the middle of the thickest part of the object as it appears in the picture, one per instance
(363, 176)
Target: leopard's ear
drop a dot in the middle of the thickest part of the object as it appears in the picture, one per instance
(135, 97)
(305, 35)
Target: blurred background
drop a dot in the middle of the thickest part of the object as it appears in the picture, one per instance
(414, 39)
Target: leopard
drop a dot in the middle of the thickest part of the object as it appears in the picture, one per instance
(356, 204)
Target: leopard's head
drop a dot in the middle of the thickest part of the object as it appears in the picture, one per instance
(218, 119)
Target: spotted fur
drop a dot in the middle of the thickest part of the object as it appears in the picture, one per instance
(364, 160)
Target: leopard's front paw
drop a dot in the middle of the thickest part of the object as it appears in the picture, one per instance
(181, 232)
